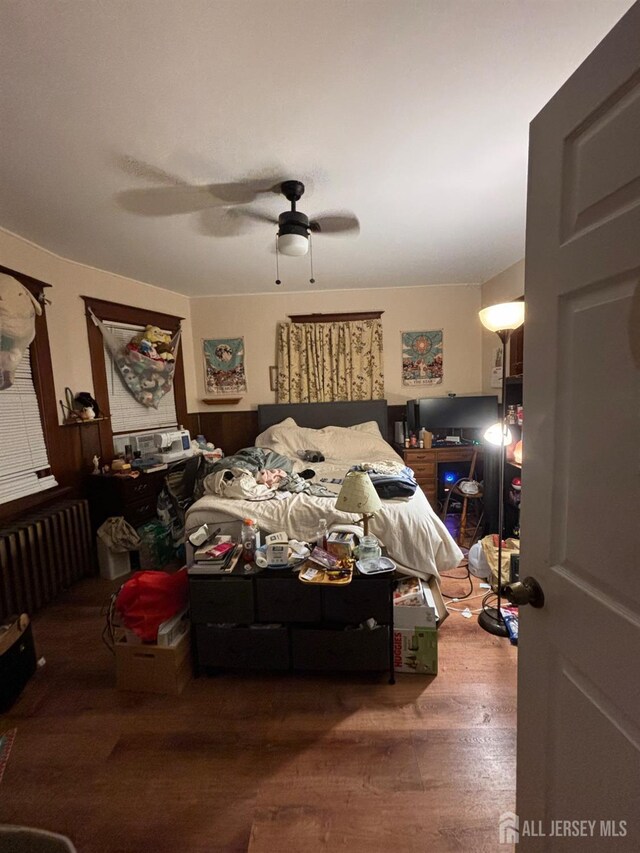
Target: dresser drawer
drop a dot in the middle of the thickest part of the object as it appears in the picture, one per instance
(424, 470)
(359, 600)
(415, 457)
(317, 649)
(133, 490)
(222, 600)
(431, 493)
(144, 510)
(461, 454)
(287, 600)
(250, 648)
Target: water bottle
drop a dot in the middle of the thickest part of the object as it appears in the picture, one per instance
(248, 540)
(321, 536)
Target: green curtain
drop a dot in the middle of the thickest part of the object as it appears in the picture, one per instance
(324, 362)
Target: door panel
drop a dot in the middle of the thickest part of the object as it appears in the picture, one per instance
(578, 687)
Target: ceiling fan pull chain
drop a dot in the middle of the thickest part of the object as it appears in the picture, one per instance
(277, 264)
(312, 279)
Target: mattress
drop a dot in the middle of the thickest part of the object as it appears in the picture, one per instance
(412, 533)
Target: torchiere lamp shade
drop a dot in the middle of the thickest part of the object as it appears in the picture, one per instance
(505, 315)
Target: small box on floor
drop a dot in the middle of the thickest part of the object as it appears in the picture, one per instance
(415, 647)
(418, 610)
(150, 668)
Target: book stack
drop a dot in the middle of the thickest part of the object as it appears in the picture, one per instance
(209, 561)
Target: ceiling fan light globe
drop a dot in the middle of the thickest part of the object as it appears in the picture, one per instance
(294, 245)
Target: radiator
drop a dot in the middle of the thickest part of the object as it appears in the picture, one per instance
(43, 553)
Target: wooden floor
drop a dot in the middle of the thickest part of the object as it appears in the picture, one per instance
(262, 763)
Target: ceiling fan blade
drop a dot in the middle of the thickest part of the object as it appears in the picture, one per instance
(338, 222)
(258, 216)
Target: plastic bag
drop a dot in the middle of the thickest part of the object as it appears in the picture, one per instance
(18, 309)
(156, 545)
(490, 549)
(150, 598)
(118, 535)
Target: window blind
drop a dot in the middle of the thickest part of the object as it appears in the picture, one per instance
(127, 414)
(24, 464)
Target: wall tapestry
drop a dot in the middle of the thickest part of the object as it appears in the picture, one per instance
(18, 309)
(224, 366)
(422, 358)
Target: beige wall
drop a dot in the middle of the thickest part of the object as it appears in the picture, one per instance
(504, 287)
(65, 316)
(453, 308)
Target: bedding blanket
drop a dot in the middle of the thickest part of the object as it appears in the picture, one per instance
(411, 531)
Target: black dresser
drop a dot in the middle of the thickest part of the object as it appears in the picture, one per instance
(269, 620)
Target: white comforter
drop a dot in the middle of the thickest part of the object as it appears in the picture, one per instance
(411, 531)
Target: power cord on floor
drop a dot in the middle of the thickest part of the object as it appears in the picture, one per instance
(466, 577)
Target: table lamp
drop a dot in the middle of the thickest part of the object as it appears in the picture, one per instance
(501, 319)
(358, 495)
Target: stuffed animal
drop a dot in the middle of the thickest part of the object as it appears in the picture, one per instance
(165, 351)
(18, 309)
(87, 407)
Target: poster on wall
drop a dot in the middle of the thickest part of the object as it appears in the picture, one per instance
(422, 358)
(224, 366)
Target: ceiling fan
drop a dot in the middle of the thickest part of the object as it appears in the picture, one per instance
(223, 206)
(294, 227)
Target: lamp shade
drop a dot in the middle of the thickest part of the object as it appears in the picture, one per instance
(294, 245)
(358, 495)
(505, 315)
(498, 434)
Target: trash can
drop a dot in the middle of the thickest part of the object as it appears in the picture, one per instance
(116, 538)
(113, 564)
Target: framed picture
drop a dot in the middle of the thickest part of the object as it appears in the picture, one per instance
(273, 378)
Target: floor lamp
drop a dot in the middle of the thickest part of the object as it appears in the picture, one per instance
(502, 319)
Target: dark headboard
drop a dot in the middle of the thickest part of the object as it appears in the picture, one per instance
(319, 415)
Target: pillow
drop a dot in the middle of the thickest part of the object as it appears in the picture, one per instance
(369, 426)
(281, 437)
(337, 444)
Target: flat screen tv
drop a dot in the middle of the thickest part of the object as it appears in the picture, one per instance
(442, 413)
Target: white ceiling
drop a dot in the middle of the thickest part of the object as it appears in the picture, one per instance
(411, 113)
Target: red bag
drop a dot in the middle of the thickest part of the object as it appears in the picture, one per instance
(150, 598)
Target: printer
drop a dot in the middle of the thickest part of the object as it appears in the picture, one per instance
(161, 447)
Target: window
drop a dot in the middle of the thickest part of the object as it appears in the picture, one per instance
(327, 357)
(123, 414)
(24, 463)
(127, 414)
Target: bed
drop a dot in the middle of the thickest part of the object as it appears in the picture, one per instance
(346, 434)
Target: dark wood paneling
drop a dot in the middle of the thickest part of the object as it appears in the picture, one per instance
(229, 430)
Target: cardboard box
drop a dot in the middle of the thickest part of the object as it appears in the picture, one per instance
(415, 631)
(149, 668)
(341, 544)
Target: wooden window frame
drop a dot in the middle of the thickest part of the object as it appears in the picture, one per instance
(42, 372)
(118, 313)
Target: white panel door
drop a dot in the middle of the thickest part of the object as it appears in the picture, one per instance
(579, 658)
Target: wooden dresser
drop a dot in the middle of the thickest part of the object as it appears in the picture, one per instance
(424, 464)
